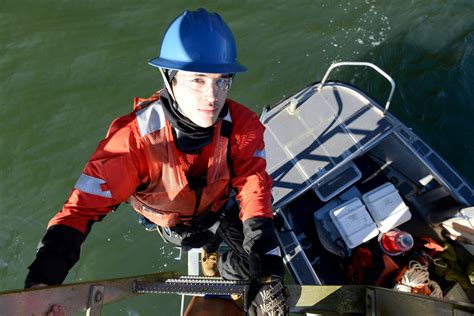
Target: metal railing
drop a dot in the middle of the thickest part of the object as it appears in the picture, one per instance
(357, 63)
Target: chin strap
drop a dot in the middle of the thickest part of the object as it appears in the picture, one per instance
(167, 79)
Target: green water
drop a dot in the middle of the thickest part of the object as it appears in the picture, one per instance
(67, 68)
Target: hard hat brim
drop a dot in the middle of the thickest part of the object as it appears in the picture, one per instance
(197, 66)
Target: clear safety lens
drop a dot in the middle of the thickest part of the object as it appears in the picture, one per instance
(202, 84)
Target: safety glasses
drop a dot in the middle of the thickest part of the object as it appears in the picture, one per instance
(201, 83)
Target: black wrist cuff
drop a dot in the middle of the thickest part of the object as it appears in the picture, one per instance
(57, 252)
(261, 266)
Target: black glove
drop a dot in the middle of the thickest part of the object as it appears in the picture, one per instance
(266, 294)
(57, 253)
(266, 297)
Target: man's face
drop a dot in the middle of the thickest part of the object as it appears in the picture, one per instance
(201, 96)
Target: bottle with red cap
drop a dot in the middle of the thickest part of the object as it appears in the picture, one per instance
(395, 242)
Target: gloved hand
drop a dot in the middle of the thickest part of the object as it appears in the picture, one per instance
(266, 296)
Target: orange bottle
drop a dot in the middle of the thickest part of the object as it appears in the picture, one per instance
(395, 242)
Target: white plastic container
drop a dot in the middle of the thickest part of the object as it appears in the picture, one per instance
(386, 207)
(353, 222)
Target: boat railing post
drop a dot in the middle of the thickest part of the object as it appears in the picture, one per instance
(358, 63)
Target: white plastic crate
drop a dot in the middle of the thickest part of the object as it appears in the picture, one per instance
(353, 222)
(386, 207)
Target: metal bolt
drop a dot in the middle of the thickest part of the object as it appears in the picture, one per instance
(98, 296)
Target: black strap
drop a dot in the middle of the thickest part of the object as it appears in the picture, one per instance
(226, 128)
(226, 131)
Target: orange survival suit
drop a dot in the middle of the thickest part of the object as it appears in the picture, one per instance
(138, 160)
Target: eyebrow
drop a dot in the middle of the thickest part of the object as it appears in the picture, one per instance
(221, 75)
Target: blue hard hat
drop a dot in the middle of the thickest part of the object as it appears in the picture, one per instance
(198, 41)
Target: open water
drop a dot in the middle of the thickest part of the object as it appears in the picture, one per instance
(67, 68)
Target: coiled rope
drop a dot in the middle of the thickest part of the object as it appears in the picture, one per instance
(418, 276)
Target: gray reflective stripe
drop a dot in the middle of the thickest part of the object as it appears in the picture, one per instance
(260, 154)
(151, 118)
(275, 252)
(228, 118)
(91, 185)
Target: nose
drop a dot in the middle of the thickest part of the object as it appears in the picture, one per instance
(211, 92)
